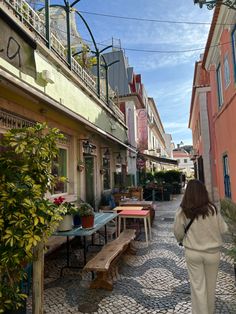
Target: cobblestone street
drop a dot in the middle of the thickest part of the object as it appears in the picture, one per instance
(154, 280)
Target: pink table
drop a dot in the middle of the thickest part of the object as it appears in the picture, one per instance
(142, 214)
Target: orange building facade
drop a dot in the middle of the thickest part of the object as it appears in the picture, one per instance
(213, 108)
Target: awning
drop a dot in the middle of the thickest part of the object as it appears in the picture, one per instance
(30, 90)
(161, 160)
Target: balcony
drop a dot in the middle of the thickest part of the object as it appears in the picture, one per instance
(35, 23)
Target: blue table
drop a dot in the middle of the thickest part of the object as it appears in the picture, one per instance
(100, 220)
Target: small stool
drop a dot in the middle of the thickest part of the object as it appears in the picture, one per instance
(142, 214)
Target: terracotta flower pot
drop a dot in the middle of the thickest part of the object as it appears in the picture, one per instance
(87, 222)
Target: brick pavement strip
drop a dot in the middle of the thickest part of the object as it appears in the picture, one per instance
(155, 280)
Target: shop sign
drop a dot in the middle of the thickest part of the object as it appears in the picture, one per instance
(142, 129)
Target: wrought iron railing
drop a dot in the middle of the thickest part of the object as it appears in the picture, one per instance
(35, 23)
(27, 15)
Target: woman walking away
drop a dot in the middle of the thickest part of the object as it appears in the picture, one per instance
(200, 225)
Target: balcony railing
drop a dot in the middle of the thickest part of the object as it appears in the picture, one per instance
(27, 15)
(35, 23)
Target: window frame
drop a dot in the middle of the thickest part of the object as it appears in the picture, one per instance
(227, 79)
(66, 184)
(219, 86)
(233, 38)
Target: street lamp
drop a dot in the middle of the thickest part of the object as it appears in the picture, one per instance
(68, 8)
(119, 158)
(212, 3)
(97, 52)
(106, 67)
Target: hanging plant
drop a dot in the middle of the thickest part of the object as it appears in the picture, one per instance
(80, 165)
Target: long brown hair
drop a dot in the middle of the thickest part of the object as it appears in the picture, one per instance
(196, 201)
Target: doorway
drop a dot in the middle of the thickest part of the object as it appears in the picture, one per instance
(89, 180)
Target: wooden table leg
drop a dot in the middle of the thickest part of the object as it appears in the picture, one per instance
(145, 228)
(119, 225)
(149, 226)
(124, 221)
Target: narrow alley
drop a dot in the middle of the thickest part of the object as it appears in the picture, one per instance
(154, 280)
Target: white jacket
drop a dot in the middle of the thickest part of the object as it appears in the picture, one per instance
(203, 234)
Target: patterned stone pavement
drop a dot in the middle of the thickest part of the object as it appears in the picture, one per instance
(152, 281)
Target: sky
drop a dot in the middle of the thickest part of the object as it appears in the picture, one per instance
(167, 71)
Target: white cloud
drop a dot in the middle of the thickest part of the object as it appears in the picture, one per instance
(170, 90)
(175, 125)
(166, 36)
(150, 62)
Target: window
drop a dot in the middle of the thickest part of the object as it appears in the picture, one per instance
(234, 50)
(185, 161)
(226, 176)
(60, 169)
(226, 71)
(219, 85)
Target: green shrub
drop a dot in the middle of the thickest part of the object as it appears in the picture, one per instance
(159, 176)
(149, 177)
(27, 218)
(168, 176)
(228, 210)
(172, 176)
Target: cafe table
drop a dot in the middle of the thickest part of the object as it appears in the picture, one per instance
(136, 214)
(100, 221)
(147, 205)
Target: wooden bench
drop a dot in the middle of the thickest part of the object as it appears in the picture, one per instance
(106, 259)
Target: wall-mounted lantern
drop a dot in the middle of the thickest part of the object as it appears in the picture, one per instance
(106, 153)
(88, 148)
(119, 158)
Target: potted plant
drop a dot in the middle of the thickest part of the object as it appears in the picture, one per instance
(80, 165)
(68, 210)
(72, 212)
(27, 218)
(167, 191)
(102, 171)
(86, 214)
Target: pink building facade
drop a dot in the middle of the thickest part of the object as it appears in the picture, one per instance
(213, 107)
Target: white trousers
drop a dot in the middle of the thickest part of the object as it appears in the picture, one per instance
(202, 270)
